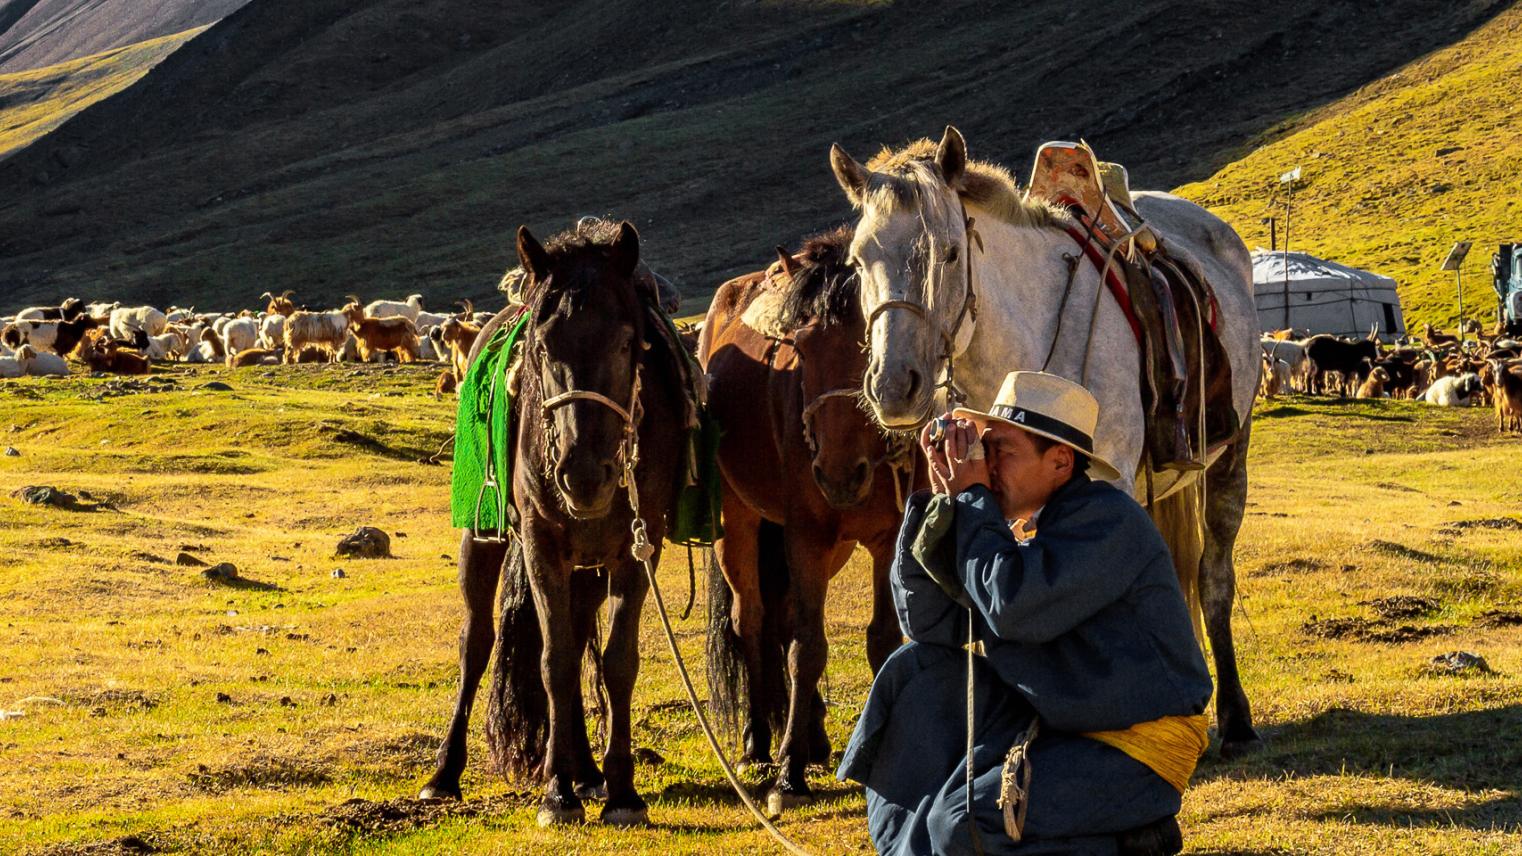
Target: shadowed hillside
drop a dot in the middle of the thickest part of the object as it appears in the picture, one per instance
(1398, 171)
(394, 147)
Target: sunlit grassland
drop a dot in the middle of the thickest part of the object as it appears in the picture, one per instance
(338, 688)
(1396, 172)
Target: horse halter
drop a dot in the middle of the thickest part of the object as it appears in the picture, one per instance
(969, 309)
(628, 415)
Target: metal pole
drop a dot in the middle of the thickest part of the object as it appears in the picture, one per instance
(1458, 273)
(1289, 204)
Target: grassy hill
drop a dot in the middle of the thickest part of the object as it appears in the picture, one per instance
(298, 712)
(34, 102)
(40, 33)
(393, 146)
(1396, 172)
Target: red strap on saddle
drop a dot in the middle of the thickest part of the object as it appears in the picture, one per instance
(1117, 288)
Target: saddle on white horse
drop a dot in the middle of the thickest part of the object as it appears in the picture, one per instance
(1185, 375)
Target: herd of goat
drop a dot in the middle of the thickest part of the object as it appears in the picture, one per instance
(1438, 368)
(108, 337)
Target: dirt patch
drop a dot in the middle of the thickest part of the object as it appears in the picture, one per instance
(1511, 524)
(1377, 631)
(124, 846)
(260, 772)
(402, 814)
(1391, 548)
(1499, 618)
(1296, 565)
(1402, 606)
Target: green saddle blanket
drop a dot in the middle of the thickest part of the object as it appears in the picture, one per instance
(481, 486)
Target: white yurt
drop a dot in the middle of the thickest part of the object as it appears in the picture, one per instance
(1323, 296)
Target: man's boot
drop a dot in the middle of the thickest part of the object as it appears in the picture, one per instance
(1159, 838)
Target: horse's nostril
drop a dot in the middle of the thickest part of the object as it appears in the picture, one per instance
(818, 473)
(861, 472)
(914, 383)
(563, 479)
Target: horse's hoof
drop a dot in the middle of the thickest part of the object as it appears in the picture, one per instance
(556, 812)
(598, 791)
(440, 791)
(748, 765)
(1233, 749)
(779, 800)
(626, 815)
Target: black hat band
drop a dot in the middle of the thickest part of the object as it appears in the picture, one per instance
(1046, 425)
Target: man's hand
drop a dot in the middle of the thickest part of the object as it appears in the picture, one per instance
(957, 463)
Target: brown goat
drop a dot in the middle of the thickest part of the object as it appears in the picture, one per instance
(1374, 385)
(104, 354)
(459, 336)
(445, 384)
(279, 304)
(379, 335)
(1508, 395)
(253, 357)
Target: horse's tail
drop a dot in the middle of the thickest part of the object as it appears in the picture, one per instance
(1180, 518)
(726, 657)
(517, 710)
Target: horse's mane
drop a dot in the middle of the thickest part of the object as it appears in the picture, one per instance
(823, 288)
(985, 185)
(589, 233)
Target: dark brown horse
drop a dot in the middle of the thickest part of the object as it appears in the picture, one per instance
(591, 357)
(783, 352)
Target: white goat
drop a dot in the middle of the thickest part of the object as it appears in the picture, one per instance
(1453, 391)
(271, 330)
(127, 322)
(16, 366)
(325, 330)
(48, 365)
(239, 334)
(390, 308)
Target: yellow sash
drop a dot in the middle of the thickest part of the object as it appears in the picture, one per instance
(1170, 746)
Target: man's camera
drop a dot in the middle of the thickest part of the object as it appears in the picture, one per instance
(939, 426)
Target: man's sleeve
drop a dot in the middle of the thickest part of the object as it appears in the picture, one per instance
(925, 613)
(1036, 592)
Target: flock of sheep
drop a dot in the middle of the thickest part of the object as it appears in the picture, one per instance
(108, 337)
(1438, 368)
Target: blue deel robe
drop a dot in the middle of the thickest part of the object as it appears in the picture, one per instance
(1084, 625)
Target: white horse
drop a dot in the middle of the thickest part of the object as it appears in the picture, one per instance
(993, 303)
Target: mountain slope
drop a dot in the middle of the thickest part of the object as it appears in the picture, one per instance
(36, 101)
(395, 146)
(1396, 172)
(39, 33)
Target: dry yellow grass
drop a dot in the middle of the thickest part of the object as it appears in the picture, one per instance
(1351, 502)
(1398, 171)
(36, 101)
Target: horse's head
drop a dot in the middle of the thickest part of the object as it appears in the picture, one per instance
(910, 254)
(586, 331)
(823, 308)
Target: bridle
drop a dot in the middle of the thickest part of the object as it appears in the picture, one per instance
(969, 310)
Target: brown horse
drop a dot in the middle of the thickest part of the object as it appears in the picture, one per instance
(783, 352)
(594, 374)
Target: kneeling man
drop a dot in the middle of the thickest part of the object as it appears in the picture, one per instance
(1090, 693)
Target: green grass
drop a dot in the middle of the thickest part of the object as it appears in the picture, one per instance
(1350, 502)
(1398, 171)
(36, 101)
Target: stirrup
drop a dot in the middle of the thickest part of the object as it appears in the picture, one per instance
(475, 528)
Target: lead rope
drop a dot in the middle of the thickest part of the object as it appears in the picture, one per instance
(972, 773)
(643, 551)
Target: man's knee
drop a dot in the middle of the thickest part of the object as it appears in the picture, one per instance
(914, 658)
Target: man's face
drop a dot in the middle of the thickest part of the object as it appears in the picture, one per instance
(1022, 477)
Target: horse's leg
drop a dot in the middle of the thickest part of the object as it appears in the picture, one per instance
(480, 566)
(588, 591)
(620, 664)
(560, 666)
(884, 636)
(737, 556)
(809, 554)
(1226, 501)
(820, 750)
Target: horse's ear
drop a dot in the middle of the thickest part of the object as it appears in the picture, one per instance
(951, 157)
(851, 175)
(789, 266)
(626, 249)
(532, 256)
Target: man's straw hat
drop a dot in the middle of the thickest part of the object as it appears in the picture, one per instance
(1049, 406)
